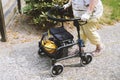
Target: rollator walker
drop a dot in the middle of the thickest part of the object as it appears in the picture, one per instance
(56, 41)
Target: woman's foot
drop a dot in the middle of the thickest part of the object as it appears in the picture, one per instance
(99, 49)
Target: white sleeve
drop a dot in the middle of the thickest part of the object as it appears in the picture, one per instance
(98, 11)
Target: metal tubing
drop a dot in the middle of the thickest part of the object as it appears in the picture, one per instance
(71, 56)
(67, 45)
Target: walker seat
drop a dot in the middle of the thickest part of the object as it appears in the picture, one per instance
(61, 34)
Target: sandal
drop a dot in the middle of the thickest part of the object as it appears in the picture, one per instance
(95, 54)
(98, 51)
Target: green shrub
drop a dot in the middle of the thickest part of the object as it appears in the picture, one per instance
(37, 9)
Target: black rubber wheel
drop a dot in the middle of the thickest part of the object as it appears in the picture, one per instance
(40, 52)
(56, 69)
(86, 59)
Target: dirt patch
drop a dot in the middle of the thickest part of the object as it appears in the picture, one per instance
(22, 30)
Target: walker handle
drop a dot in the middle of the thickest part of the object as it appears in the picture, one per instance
(61, 12)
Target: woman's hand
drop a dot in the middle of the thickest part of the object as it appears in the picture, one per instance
(85, 16)
(67, 5)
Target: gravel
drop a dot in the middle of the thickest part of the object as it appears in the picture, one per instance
(19, 60)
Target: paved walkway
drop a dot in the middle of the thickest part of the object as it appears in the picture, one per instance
(21, 61)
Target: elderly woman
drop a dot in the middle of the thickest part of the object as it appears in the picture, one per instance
(91, 11)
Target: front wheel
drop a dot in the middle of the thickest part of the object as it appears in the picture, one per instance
(56, 69)
(86, 59)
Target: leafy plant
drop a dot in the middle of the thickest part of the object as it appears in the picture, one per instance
(37, 9)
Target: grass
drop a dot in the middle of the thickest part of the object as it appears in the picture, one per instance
(111, 11)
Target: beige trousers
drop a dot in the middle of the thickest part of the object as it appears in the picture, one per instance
(89, 32)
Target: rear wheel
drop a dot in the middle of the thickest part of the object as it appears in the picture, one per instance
(86, 59)
(40, 52)
(56, 69)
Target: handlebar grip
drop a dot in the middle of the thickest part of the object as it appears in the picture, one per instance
(61, 10)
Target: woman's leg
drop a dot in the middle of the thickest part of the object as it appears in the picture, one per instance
(90, 30)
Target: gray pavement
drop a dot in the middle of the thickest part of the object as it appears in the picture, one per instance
(21, 61)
